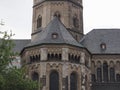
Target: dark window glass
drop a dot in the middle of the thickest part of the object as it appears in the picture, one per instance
(112, 74)
(73, 81)
(35, 76)
(99, 75)
(75, 22)
(54, 81)
(57, 14)
(118, 77)
(105, 72)
(39, 21)
(93, 78)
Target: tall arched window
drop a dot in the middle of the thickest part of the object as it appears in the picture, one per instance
(54, 80)
(105, 72)
(73, 81)
(118, 77)
(93, 78)
(75, 21)
(35, 76)
(39, 21)
(112, 74)
(99, 74)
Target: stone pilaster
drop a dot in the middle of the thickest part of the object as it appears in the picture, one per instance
(65, 54)
(43, 54)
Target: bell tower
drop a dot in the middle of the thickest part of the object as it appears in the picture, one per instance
(70, 12)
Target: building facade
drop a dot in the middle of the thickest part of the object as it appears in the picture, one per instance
(61, 57)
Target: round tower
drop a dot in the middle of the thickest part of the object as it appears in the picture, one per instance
(70, 12)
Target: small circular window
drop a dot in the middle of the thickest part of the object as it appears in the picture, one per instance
(54, 35)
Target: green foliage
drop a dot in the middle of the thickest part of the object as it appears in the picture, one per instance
(12, 78)
(6, 53)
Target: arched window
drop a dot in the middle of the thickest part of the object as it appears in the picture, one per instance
(93, 79)
(105, 72)
(73, 81)
(99, 74)
(39, 21)
(57, 14)
(75, 21)
(118, 77)
(60, 56)
(52, 57)
(35, 76)
(54, 80)
(112, 74)
(31, 59)
(37, 58)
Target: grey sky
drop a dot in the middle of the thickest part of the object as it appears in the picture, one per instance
(17, 15)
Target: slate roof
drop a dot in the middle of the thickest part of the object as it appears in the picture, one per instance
(54, 27)
(110, 37)
(20, 44)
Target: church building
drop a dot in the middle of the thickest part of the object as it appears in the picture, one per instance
(61, 57)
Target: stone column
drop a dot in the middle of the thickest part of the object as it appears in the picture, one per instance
(82, 60)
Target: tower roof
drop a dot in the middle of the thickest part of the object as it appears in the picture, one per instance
(54, 33)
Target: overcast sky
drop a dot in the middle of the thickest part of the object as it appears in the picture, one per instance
(17, 15)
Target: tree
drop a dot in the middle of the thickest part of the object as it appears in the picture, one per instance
(12, 78)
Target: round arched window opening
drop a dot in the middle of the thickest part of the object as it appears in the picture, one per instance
(75, 21)
(35, 76)
(54, 35)
(57, 14)
(39, 21)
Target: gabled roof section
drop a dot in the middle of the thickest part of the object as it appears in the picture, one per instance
(20, 44)
(102, 41)
(54, 33)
